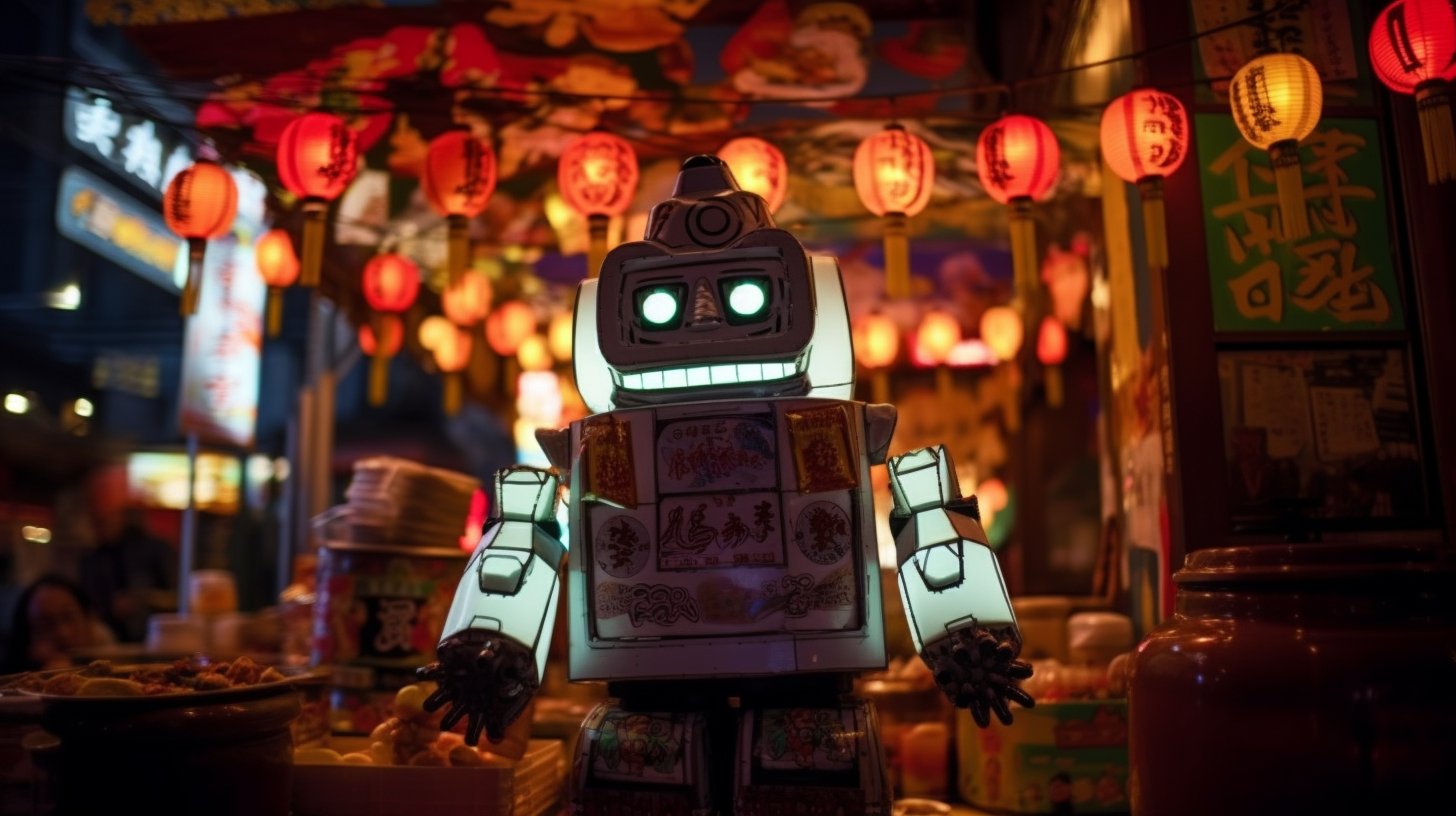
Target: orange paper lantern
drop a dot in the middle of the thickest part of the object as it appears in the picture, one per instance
(458, 178)
(894, 173)
(508, 326)
(381, 340)
(391, 282)
(559, 335)
(937, 334)
(759, 167)
(200, 203)
(452, 353)
(597, 175)
(467, 300)
(876, 341)
(1144, 140)
(1001, 331)
(1051, 350)
(278, 266)
(318, 155)
(534, 354)
(1276, 101)
(1413, 51)
(1017, 160)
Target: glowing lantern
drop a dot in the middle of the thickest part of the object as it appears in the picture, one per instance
(318, 155)
(992, 497)
(534, 354)
(1144, 139)
(458, 178)
(467, 300)
(1017, 159)
(1413, 51)
(273, 253)
(938, 333)
(876, 341)
(452, 353)
(559, 336)
(1051, 350)
(759, 168)
(508, 326)
(381, 340)
(391, 283)
(1001, 331)
(199, 204)
(1276, 101)
(597, 175)
(432, 331)
(893, 174)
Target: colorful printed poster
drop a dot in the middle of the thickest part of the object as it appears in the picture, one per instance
(1341, 276)
(224, 346)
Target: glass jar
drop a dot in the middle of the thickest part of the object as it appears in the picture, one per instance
(1308, 678)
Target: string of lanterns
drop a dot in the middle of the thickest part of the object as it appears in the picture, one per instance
(1145, 135)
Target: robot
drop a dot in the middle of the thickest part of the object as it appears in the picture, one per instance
(724, 578)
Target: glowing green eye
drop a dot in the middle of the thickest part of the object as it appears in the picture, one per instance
(747, 298)
(659, 307)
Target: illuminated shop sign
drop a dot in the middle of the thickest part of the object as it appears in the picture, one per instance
(116, 226)
(160, 480)
(134, 146)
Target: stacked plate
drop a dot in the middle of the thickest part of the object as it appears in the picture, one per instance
(396, 501)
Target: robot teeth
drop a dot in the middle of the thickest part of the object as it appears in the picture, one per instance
(708, 375)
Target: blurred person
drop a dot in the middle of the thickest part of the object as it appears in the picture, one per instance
(52, 618)
(130, 574)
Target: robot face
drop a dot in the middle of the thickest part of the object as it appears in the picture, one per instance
(733, 322)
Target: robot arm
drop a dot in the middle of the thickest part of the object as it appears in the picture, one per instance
(955, 599)
(498, 631)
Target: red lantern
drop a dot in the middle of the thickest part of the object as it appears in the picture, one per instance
(508, 326)
(199, 204)
(278, 266)
(893, 174)
(391, 282)
(1017, 159)
(459, 176)
(318, 155)
(1051, 350)
(758, 167)
(452, 353)
(467, 300)
(1413, 51)
(381, 340)
(597, 175)
(1144, 139)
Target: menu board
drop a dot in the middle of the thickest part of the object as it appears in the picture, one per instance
(1327, 434)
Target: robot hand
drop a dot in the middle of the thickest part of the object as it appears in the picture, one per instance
(977, 668)
(482, 675)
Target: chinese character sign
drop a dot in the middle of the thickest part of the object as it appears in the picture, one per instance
(1342, 276)
(224, 348)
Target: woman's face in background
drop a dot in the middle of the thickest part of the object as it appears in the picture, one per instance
(58, 624)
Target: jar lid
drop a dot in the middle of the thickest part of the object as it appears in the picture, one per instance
(1289, 563)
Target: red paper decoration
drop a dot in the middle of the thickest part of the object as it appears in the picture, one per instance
(508, 326)
(1051, 342)
(458, 178)
(278, 266)
(597, 174)
(200, 203)
(391, 282)
(1413, 51)
(388, 326)
(758, 167)
(467, 300)
(894, 172)
(1145, 138)
(1017, 159)
(318, 155)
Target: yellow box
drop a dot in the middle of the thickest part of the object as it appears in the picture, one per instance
(1064, 757)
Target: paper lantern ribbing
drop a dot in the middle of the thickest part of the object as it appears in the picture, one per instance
(1413, 51)
(597, 175)
(1017, 160)
(278, 266)
(1276, 101)
(467, 300)
(458, 179)
(758, 167)
(1144, 138)
(381, 339)
(391, 283)
(318, 155)
(452, 353)
(894, 173)
(200, 203)
(1051, 351)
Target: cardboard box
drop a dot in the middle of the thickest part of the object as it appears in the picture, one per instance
(1064, 757)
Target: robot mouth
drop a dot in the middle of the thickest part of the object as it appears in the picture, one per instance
(709, 375)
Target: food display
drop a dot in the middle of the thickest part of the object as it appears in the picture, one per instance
(413, 737)
(102, 679)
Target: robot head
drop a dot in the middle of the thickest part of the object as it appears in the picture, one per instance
(714, 303)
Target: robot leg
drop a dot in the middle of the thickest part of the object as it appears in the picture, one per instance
(811, 761)
(640, 763)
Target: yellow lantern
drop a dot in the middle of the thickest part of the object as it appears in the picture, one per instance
(1001, 331)
(534, 354)
(876, 341)
(452, 353)
(893, 174)
(1276, 101)
(559, 335)
(938, 333)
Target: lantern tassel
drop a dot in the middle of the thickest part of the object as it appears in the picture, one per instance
(378, 373)
(1433, 104)
(897, 256)
(597, 244)
(275, 311)
(459, 249)
(1022, 229)
(196, 250)
(944, 382)
(452, 393)
(315, 212)
(1052, 379)
(1155, 222)
(1289, 179)
(880, 385)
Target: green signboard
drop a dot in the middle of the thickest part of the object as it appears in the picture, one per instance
(1342, 276)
